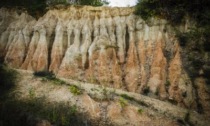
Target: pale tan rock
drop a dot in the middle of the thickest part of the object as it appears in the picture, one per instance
(132, 68)
(40, 57)
(102, 45)
(16, 42)
(59, 47)
(158, 70)
(132, 64)
(175, 73)
(31, 50)
(16, 52)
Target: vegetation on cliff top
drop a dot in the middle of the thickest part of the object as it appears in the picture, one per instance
(175, 10)
(195, 41)
(37, 8)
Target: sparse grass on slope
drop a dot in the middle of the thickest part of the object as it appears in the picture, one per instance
(34, 110)
(55, 103)
(8, 79)
(24, 113)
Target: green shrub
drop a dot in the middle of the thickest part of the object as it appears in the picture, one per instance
(122, 102)
(91, 2)
(58, 81)
(140, 111)
(125, 96)
(174, 10)
(73, 109)
(8, 79)
(105, 91)
(31, 93)
(56, 2)
(46, 74)
(75, 90)
(146, 8)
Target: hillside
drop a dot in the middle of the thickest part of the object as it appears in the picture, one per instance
(47, 102)
(109, 47)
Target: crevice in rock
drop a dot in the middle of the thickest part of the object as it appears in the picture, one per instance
(92, 36)
(139, 74)
(51, 40)
(65, 42)
(127, 43)
(123, 65)
(72, 36)
(123, 76)
(86, 66)
(27, 47)
(81, 40)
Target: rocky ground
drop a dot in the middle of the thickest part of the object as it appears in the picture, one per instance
(95, 105)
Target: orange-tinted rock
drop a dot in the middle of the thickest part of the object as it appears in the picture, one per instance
(31, 50)
(107, 46)
(58, 48)
(132, 69)
(40, 57)
(158, 70)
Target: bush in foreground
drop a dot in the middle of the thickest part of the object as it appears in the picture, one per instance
(8, 78)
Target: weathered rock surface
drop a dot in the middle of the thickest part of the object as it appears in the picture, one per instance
(107, 46)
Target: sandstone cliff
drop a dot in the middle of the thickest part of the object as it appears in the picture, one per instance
(105, 46)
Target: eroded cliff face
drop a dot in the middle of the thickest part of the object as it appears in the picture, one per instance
(106, 46)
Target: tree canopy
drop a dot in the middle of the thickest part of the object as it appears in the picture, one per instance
(43, 3)
(37, 7)
(175, 10)
(34, 7)
(80, 2)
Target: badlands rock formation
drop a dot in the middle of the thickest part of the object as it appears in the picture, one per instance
(106, 46)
